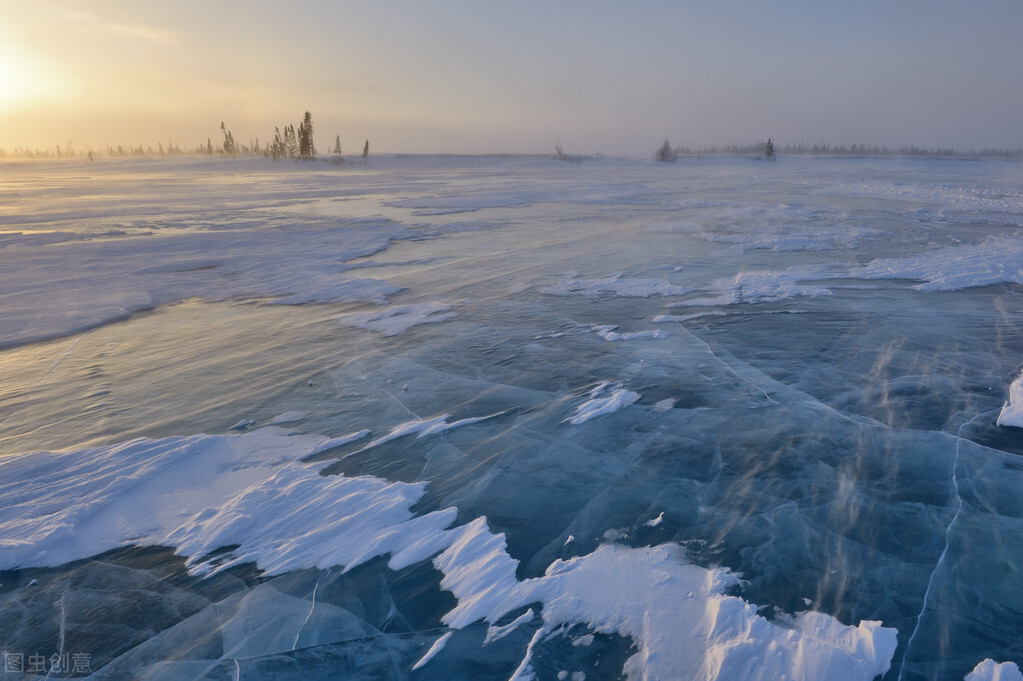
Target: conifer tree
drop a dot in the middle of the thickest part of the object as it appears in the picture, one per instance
(365, 153)
(277, 146)
(665, 152)
(306, 149)
(290, 142)
(339, 156)
(229, 148)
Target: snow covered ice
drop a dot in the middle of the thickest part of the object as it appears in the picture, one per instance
(512, 418)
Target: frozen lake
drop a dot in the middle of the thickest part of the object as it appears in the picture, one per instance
(510, 417)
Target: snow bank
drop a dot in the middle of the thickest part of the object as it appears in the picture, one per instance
(1012, 411)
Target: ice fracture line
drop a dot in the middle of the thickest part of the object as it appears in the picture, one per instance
(726, 364)
(312, 607)
(948, 535)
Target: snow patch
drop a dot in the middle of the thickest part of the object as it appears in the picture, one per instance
(423, 427)
(397, 319)
(664, 405)
(614, 285)
(437, 646)
(1012, 411)
(495, 633)
(609, 332)
(988, 670)
(203, 492)
(682, 623)
(287, 417)
(601, 403)
(654, 522)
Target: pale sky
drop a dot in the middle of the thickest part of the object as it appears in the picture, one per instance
(478, 76)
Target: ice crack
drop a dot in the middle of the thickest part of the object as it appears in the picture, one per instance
(312, 607)
(728, 366)
(948, 536)
(60, 643)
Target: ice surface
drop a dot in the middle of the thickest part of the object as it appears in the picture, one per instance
(287, 417)
(106, 280)
(255, 496)
(1012, 411)
(508, 493)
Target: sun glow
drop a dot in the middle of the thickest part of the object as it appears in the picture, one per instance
(24, 81)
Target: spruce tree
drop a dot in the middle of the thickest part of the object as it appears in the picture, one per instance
(339, 156)
(306, 149)
(229, 148)
(365, 152)
(277, 146)
(665, 152)
(290, 143)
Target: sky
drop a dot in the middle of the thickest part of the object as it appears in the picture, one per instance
(486, 76)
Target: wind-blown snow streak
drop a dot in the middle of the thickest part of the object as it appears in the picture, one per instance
(397, 319)
(61, 288)
(992, 261)
(207, 491)
(600, 403)
(616, 285)
(437, 646)
(609, 332)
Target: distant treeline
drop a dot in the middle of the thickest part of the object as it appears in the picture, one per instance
(298, 144)
(853, 150)
(291, 143)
